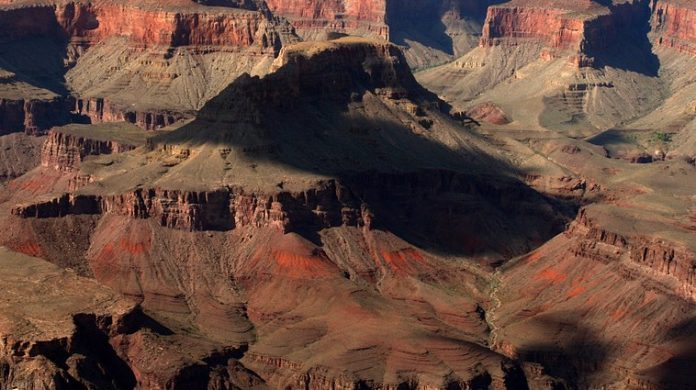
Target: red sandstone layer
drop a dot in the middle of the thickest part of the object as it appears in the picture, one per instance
(101, 110)
(65, 152)
(578, 27)
(357, 17)
(142, 25)
(674, 25)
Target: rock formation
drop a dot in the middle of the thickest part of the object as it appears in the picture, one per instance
(140, 213)
(672, 25)
(160, 40)
(315, 19)
(246, 211)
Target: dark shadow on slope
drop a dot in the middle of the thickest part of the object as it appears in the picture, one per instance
(39, 62)
(422, 24)
(350, 122)
(677, 372)
(631, 50)
(573, 353)
(422, 21)
(102, 367)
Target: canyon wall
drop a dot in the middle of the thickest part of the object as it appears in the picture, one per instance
(100, 110)
(551, 26)
(582, 31)
(661, 257)
(674, 25)
(90, 23)
(64, 152)
(246, 37)
(33, 116)
(323, 70)
(315, 18)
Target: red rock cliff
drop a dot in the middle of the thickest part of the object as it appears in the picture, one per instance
(661, 257)
(583, 29)
(674, 25)
(100, 110)
(65, 152)
(143, 25)
(356, 17)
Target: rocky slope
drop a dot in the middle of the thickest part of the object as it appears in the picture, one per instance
(337, 235)
(92, 337)
(672, 25)
(313, 20)
(125, 61)
(333, 224)
(580, 76)
(20, 153)
(430, 31)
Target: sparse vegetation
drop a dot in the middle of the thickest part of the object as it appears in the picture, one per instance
(663, 137)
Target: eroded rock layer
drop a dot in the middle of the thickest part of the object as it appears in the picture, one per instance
(126, 61)
(315, 18)
(673, 25)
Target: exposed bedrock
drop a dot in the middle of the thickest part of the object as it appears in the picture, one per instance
(250, 36)
(587, 32)
(315, 18)
(673, 25)
(582, 313)
(662, 257)
(65, 152)
(89, 23)
(92, 337)
(37, 116)
(457, 208)
(34, 117)
(101, 110)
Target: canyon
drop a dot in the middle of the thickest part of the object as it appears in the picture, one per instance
(347, 194)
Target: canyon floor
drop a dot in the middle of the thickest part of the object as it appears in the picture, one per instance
(249, 195)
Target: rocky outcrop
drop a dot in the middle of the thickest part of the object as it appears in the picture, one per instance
(74, 27)
(489, 112)
(660, 257)
(33, 116)
(221, 209)
(673, 24)
(371, 200)
(101, 110)
(582, 29)
(68, 345)
(332, 70)
(20, 154)
(182, 25)
(94, 338)
(315, 18)
(507, 24)
(64, 151)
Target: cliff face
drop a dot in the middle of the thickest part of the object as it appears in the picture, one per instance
(34, 117)
(94, 338)
(64, 152)
(557, 28)
(322, 70)
(674, 25)
(548, 25)
(45, 351)
(131, 34)
(599, 282)
(584, 29)
(102, 110)
(90, 23)
(659, 256)
(313, 19)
